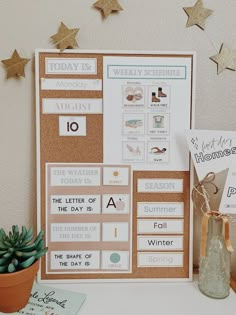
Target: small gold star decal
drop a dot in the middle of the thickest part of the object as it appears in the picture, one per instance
(108, 6)
(65, 38)
(225, 59)
(15, 66)
(197, 14)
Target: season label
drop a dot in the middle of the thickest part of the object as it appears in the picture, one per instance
(154, 185)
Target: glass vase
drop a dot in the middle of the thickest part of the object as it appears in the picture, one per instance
(214, 268)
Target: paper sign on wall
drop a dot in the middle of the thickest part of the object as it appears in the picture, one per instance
(228, 200)
(211, 150)
(113, 166)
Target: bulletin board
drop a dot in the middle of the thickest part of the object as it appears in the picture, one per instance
(113, 166)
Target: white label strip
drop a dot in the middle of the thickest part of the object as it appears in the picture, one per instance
(160, 209)
(160, 185)
(75, 232)
(115, 176)
(75, 260)
(115, 232)
(161, 226)
(75, 204)
(116, 204)
(72, 126)
(75, 176)
(71, 84)
(72, 106)
(160, 243)
(115, 260)
(160, 259)
(69, 66)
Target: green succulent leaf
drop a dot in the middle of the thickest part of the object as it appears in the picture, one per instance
(19, 249)
(11, 267)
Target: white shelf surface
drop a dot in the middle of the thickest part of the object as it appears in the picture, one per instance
(149, 298)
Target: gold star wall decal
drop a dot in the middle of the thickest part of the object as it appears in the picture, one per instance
(225, 59)
(65, 38)
(108, 6)
(15, 66)
(197, 14)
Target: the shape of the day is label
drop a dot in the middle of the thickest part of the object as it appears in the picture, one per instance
(211, 150)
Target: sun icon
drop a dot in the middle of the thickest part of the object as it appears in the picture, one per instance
(115, 173)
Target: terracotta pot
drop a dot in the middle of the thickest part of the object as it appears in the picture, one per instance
(15, 288)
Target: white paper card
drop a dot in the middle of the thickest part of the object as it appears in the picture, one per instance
(71, 84)
(160, 209)
(68, 66)
(72, 126)
(115, 204)
(75, 176)
(160, 185)
(160, 259)
(228, 200)
(115, 232)
(160, 243)
(75, 232)
(115, 260)
(117, 176)
(160, 226)
(211, 150)
(75, 204)
(72, 106)
(75, 260)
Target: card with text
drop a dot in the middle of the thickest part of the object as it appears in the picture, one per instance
(46, 300)
(211, 150)
(228, 200)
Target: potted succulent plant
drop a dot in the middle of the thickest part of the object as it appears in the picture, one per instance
(19, 263)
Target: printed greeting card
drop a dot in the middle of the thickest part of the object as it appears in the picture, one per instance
(228, 201)
(46, 300)
(211, 150)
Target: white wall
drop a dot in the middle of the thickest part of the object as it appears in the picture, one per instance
(143, 25)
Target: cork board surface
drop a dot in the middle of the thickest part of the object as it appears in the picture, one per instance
(53, 148)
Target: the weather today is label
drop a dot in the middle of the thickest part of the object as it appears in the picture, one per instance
(75, 176)
(74, 204)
